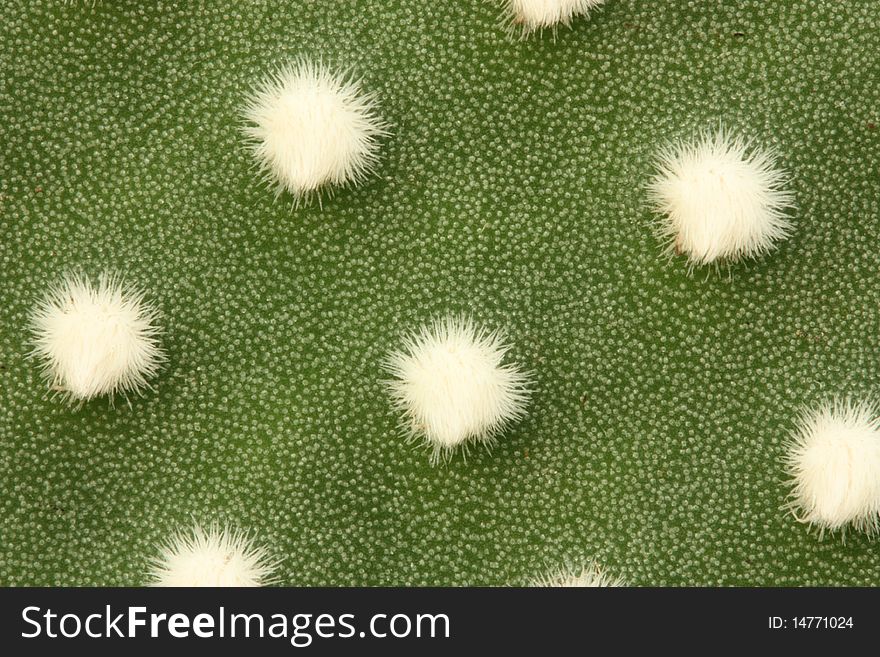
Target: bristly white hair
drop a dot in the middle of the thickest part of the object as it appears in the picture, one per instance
(96, 340)
(834, 463)
(311, 128)
(536, 15)
(590, 575)
(215, 557)
(452, 386)
(720, 199)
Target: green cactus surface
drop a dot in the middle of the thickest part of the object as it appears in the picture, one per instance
(511, 188)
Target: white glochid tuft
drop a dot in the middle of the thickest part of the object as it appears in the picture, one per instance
(450, 383)
(212, 557)
(834, 462)
(536, 15)
(96, 340)
(589, 576)
(719, 199)
(311, 128)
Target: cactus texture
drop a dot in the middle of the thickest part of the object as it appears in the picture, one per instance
(511, 188)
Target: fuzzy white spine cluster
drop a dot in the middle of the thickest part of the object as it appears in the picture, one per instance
(451, 384)
(96, 339)
(218, 557)
(589, 576)
(834, 462)
(311, 128)
(534, 15)
(720, 199)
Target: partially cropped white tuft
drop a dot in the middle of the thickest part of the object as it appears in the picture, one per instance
(720, 200)
(212, 557)
(311, 128)
(591, 575)
(834, 461)
(451, 385)
(96, 340)
(532, 15)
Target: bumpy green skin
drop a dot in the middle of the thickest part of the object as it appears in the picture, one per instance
(511, 189)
